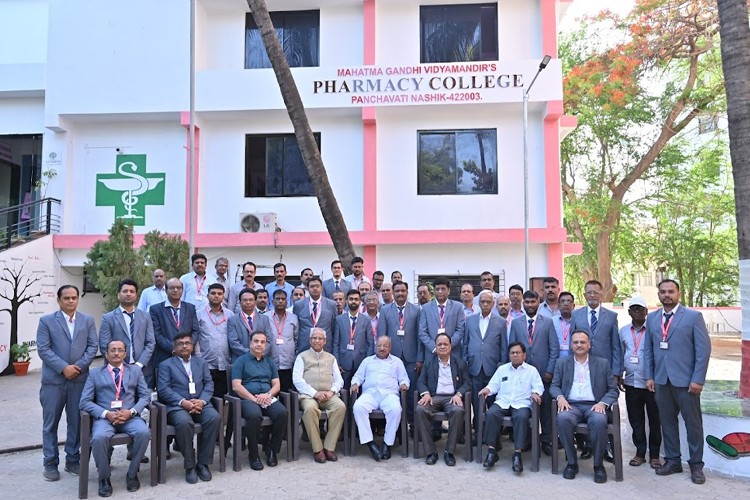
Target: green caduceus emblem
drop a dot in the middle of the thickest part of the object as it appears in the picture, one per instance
(130, 189)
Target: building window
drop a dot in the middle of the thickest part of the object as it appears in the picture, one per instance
(457, 162)
(454, 33)
(299, 33)
(274, 166)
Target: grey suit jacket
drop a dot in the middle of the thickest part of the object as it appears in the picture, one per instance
(329, 287)
(689, 351)
(99, 391)
(113, 327)
(57, 350)
(605, 341)
(489, 353)
(165, 329)
(602, 380)
(326, 319)
(429, 323)
(407, 347)
(173, 382)
(543, 354)
(239, 336)
(364, 344)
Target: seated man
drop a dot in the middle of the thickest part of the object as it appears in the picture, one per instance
(186, 388)
(584, 389)
(255, 380)
(317, 377)
(381, 377)
(442, 386)
(516, 384)
(114, 395)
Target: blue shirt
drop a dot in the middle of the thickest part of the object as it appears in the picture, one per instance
(151, 296)
(273, 286)
(559, 321)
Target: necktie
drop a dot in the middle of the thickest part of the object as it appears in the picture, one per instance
(117, 376)
(337, 286)
(442, 313)
(250, 322)
(354, 321)
(531, 331)
(401, 313)
(176, 314)
(594, 321)
(315, 309)
(667, 319)
(132, 332)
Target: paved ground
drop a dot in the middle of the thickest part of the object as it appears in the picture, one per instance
(351, 477)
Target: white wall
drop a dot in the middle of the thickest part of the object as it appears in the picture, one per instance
(23, 31)
(21, 115)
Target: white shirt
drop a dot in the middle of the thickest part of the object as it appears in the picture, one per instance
(356, 281)
(445, 378)
(598, 312)
(301, 384)
(484, 323)
(71, 321)
(381, 376)
(581, 388)
(151, 296)
(195, 289)
(514, 386)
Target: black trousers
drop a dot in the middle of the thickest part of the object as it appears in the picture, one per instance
(639, 403)
(253, 415)
(285, 378)
(494, 422)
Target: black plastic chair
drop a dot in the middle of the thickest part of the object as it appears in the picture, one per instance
(379, 414)
(508, 422)
(297, 425)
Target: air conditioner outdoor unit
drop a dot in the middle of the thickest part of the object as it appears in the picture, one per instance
(258, 223)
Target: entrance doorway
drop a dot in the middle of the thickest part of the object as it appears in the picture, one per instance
(20, 172)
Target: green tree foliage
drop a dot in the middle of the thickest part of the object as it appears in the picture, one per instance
(169, 253)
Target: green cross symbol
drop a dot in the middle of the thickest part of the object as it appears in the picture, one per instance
(130, 189)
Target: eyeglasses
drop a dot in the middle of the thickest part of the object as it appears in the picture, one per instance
(184, 343)
(115, 350)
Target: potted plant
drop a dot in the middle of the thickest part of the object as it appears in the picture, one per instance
(21, 357)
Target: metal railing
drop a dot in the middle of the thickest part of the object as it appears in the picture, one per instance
(21, 223)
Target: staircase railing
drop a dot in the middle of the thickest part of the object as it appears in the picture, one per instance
(23, 222)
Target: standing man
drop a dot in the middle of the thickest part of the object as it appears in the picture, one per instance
(676, 357)
(317, 377)
(515, 293)
(377, 284)
(66, 343)
(153, 294)
(503, 309)
(314, 312)
(537, 334)
(424, 296)
(638, 399)
(441, 316)
(485, 346)
(186, 389)
(304, 278)
(242, 324)
(467, 299)
(285, 331)
(248, 281)
(279, 272)
(564, 324)
(549, 307)
(221, 267)
(352, 338)
(358, 273)
(399, 321)
(337, 283)
(371, 309)
(171, 318)
(442, 386)
(261, 301)
(133, 327)
(386, 293)
(213, 340)
(340, 299)
(195, 284)
(396, 276)
(115, 395)
(487, 282)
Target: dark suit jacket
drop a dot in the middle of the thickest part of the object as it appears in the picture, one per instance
(602, 380)
(99, 391)
(488, 353)
(428, 378)
(165, 329)
(239, 336)
(113, 327)
(326, 318)
(409, 347)
(689, 351)
(605, 341)
(546, 349)
(173, 382)
(57, 350)
(429, 323)
(364, 344)
(329, 287)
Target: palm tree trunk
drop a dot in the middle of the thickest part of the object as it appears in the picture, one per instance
(329, 207)
(735, 57)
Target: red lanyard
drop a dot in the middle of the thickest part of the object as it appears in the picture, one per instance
(199, 287)
(223, 317)
(533, 329)
(352, 329)
(374, 325)
(565, 331)
(441, 314)
(118, 387)
(244, 318)
(402, 318)
(279, 326)
(583, 371)
(637, 342)
(665, 329)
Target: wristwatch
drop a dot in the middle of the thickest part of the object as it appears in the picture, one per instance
(133, 412)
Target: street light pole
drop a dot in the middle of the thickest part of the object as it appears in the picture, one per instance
(542, 65)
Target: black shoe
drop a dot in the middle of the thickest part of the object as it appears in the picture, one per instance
(586, 453)
(271, 459)
(669, 468)
(191, 476)
(547, 449)
(609, 455)
(696, 474)
(411, 430)
(490, 459)
(600, 475)
(431, 459)
(256, 464)
(105, 488)
(132, 483)
(450, 460)
(517, 462)
(570, 471)
(204, 474)
(73, 467)
(374, 451)
(144, 460)
(385, 453)
(51, 473)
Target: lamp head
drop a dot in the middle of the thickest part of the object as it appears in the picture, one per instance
(544, 62)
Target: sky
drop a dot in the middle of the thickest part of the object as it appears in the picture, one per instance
(583, 7)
